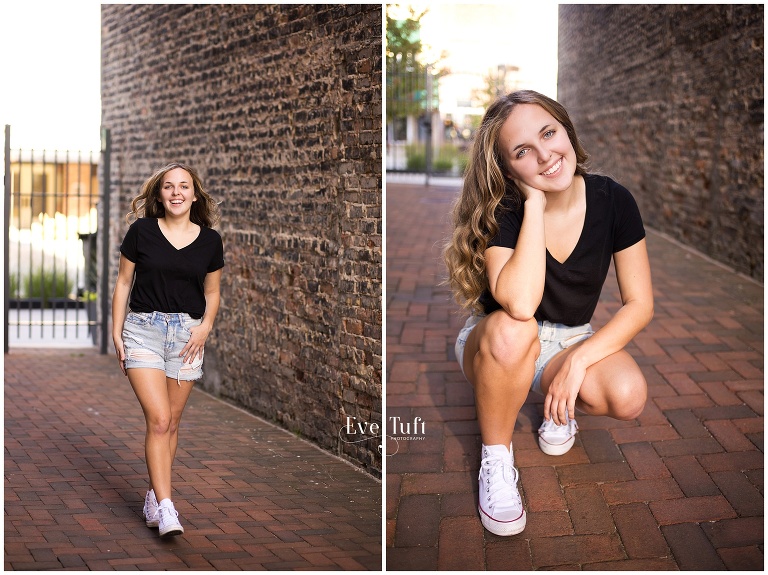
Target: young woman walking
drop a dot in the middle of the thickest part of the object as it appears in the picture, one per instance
(165, 301)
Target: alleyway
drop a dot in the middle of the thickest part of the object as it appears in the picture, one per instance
(681, 487)
(250, 495)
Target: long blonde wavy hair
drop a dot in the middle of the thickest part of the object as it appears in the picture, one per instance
(204, 212)
(486, 184)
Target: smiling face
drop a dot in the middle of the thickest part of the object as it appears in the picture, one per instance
(536, 149)
(177, 192)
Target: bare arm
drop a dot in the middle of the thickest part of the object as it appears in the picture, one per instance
(196, 343)
(120, 305)
(516, 277)
(633, 273)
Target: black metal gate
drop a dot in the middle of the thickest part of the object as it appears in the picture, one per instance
(53, 296)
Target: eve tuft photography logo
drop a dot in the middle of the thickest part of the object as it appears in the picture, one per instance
(397, 430)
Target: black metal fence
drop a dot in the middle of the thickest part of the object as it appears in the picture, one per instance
(412, 105)
(52, 288)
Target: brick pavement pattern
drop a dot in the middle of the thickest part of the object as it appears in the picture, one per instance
(680, 487)
(249, 494)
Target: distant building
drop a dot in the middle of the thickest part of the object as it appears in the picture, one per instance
(52, 221)
(47, 183)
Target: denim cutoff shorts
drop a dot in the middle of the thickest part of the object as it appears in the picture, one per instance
(554, 338)
(155, 340)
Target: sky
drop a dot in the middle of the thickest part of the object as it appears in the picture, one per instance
(50, 64)
(471, 38)
(478, 36)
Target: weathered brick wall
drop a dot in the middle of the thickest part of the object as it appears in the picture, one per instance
(279, 108)
(668, 99)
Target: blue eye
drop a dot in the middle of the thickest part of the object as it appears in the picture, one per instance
(521, 153)
(549, 133)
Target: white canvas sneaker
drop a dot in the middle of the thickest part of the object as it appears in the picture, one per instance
(557, 439)
(501, 509)
(168, 519)
(150, 509)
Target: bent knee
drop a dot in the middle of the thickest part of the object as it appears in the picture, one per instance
(509, 341)
(630, 397)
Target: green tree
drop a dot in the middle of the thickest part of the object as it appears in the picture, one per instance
(406, 75)
(403, 36)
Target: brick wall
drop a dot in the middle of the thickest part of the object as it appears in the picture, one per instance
(279, 109)
(668, 99)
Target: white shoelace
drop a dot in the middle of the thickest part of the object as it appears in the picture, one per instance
(549, 426)
(500, 493)
(150, 502)
(170, 510)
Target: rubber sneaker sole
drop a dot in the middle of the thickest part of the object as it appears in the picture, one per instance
(556, 448)
(172, 531)
(502, 528)
(152, 522)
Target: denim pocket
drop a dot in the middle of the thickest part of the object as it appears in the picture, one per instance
(138, 318)
(190, 323)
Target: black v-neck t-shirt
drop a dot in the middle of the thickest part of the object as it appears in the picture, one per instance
(169, 280)
(572, 288)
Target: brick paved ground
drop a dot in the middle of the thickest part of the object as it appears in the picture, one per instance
(250, 495)
(681, 487)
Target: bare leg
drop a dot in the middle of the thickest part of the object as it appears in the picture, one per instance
(150, 388)
(614, 386)
(499, 359)
(178, 393)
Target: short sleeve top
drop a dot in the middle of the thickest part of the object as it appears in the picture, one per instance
(170, 280)
(572, 288)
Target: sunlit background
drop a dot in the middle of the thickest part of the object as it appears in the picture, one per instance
(470, 53)
(50, 65)
(472, 40)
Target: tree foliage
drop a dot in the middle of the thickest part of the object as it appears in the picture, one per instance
(403, 36)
